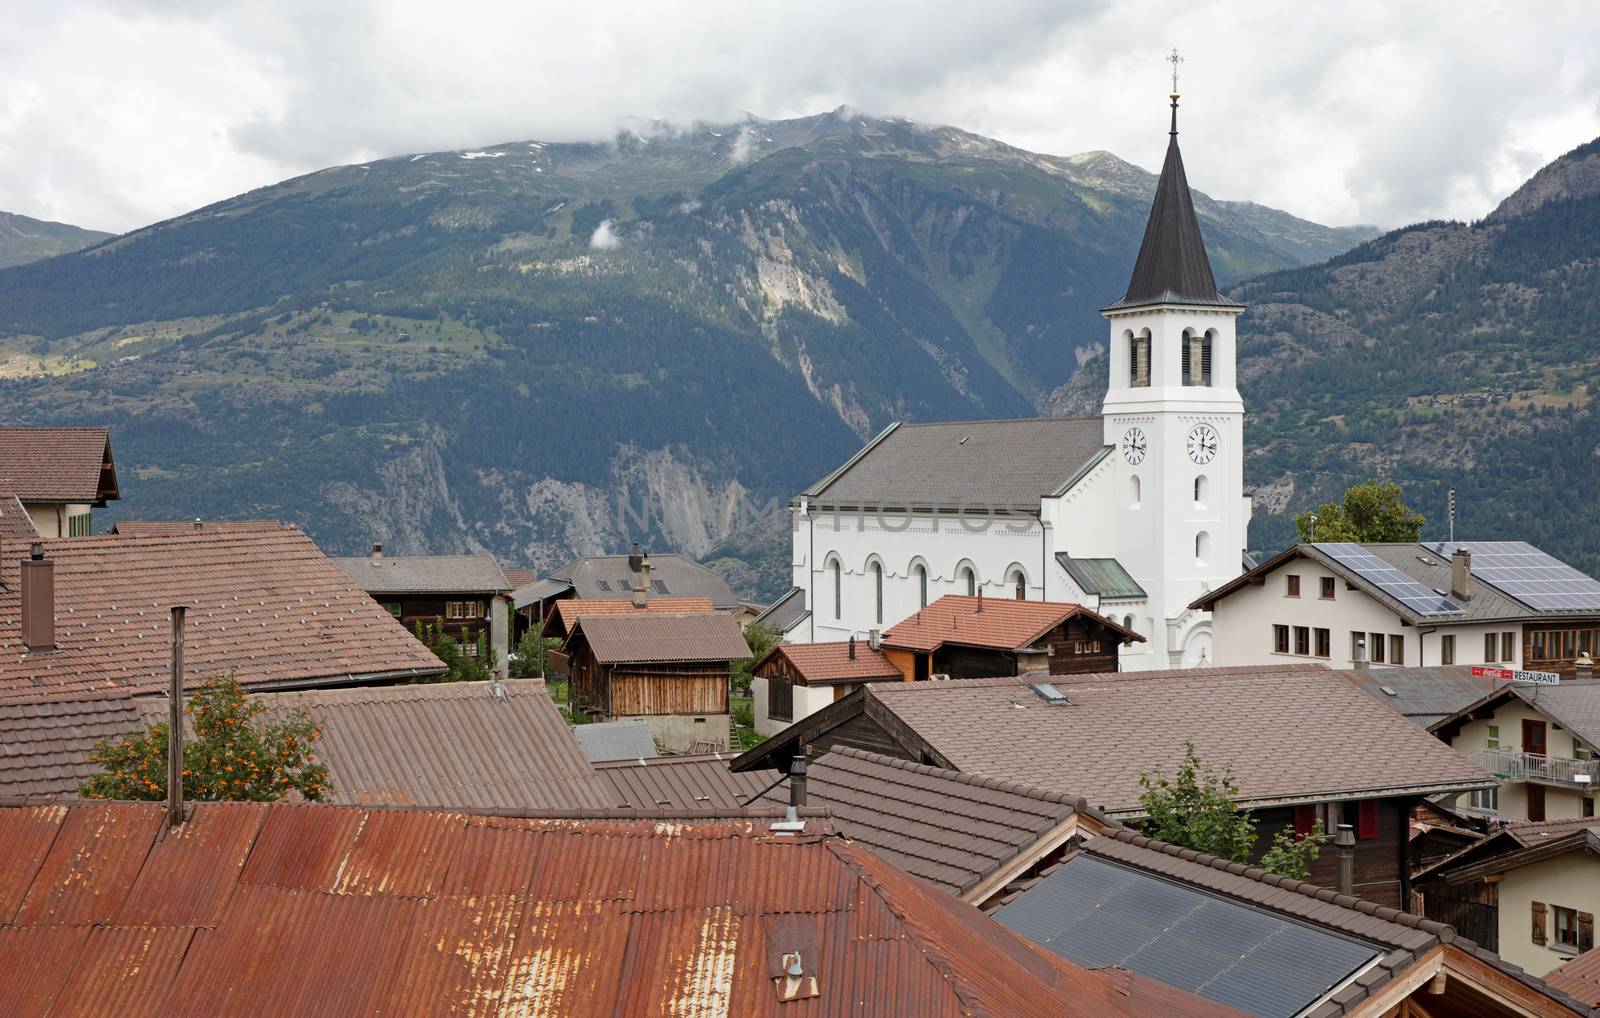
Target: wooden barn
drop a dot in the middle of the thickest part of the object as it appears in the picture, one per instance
(671, 670)
(976, 637)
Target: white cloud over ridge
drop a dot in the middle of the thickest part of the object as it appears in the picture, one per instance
(116, 113)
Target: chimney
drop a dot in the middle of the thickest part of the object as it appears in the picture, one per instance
(38, 601)
(1461, 575)
(1358, 652)
(377, 553)
(634, 559)
(175, 724)
(874, 639)
(852, 646)
(1585, 666)
(980, 599)
(641, 593)
(197, 523)
(797, 782)
(1345, 844)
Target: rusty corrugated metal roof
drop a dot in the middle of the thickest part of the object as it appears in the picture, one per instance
(335, 911)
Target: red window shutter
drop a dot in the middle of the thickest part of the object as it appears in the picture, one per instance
(1367, 821)
(1305, 818)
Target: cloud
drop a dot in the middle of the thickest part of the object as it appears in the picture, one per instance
(116, 113)
(605, 237)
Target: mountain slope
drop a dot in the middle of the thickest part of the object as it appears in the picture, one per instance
(24, 240)
(1440, 355)
(541, 349)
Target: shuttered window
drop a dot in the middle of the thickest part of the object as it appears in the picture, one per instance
(780, 699)
(1305, 820)
(1367, 820)
(1538, 924)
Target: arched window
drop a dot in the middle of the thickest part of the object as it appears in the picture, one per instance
(1200, 490)
(836, 575)
(1017, 580)
(968, 578)
(919, 570)
(876, 569)
(1134, 490)
(1139, 360)
(1197, 357)
(1127, 622)
(1202, 547)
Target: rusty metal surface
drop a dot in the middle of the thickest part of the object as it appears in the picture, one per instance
(91, 865)
(401, 853)
(36, 962)
(302, 846)
(194, 868)
(26, 834)
(123, 972)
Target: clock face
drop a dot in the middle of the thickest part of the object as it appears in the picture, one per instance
(1203, 442)
(1133, 446)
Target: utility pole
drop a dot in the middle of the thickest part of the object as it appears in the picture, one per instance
(175, 724)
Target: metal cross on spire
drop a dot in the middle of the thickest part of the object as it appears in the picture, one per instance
(1174, 59)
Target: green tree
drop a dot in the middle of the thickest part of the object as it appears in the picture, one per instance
(1371, 513)
(231, 757)
(1292, 856)
(761, 640)
(460, 666)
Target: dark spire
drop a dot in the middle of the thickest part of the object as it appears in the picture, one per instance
(1172, 266)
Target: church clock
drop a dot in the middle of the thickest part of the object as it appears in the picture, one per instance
(1133, 446)
(1203, 443)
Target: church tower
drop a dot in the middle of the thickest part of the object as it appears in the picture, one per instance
(1174, 414)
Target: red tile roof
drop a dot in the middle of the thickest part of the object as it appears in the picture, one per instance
(55, 464)
(985, 622)
(250, 909)
(157, 528)
(15, 524)
(1579, 978)
(264, 606)
(658, 636)
(828, 663)
(569, 611)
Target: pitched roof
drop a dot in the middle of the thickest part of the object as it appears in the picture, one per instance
(57, 464)
(960, 832)
(608, 577)
(266, 909)
(682, 782)
(426, 574)
(1293, 734)
(158, 528)
(1103, 576)
(264, 606)
(998, 623)
(1578, 978)
(1172, 267)
(565, 613)
(831, 663)
(658, 636)
(44, 746)
(519, 578)
(1573, 705)
(784, 613)
(1424, 695)
(1406, 940)
(15, 524)
(977, 466)
(628, 739)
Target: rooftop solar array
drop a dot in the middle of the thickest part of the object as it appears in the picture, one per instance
(1536, 579)
(1097, 913)
(1418, 597)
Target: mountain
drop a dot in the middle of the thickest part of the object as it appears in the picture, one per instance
(1440, 355)
(541, 349)
(25, 240)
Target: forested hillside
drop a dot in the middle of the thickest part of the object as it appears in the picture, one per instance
(24, 240)
(543, 349)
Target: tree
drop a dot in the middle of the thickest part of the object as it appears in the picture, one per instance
(1371, 513)
(761, 640)
(1195, 809)
(231, 757)
(459, 665)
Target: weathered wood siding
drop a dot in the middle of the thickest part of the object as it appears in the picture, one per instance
(669, 689)
(1080, 645)
(1382, 870)
(860, 732)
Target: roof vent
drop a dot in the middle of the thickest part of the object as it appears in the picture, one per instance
(1388, 691)
(1050, 694)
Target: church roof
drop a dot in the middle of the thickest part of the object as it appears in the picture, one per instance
(997, 466)
(1172, 267)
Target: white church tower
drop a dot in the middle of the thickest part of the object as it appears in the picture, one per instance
(1174, 414)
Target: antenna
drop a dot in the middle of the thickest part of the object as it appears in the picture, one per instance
(1452, 516)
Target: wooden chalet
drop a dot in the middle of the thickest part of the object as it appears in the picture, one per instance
(962, 637)
(672, 670)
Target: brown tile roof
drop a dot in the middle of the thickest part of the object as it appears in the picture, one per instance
(1296, 733)
(657, 636)
(434, 744)
(994, 622)
(15, 524)
(957, 831)
(520, 577)
(166, 528)
(255, 909)
(566, 613)
(426, 574)
(682, 782)
(829, 663)
(1578, 978)
(55, 464)
(264, 606)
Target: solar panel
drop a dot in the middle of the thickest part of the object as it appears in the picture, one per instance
(1097, 913)
(1418, 597)
(1536, 579)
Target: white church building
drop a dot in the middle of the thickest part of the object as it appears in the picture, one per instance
(1135, 513)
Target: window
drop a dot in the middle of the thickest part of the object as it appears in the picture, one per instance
(1139, 360)
(921, 572)
(1491, 650)
(1306, 819)
(1566, 927)
(1134, 490)
(1366, 820)
(1197, 358)
(838, 588)
(393, 608)
(1127, 623)
(968, 580)
(1358, 646)
(1397, 650)
(1291, 586)
(1280, 639)
(1494, 737)
(780, 699)
(1324, 642)
(1486, 799)
(1200, 490)
(1447, 650)
(463, 610)
(1302, 640)
(1580, 751)
(1508, 646)
(1588, 806)
(1019, 583)
(1327, 588)
(876, 569)
(1376, 644)
(79, 525)
(1202, 547)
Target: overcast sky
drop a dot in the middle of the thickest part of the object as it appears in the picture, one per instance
(118, 113)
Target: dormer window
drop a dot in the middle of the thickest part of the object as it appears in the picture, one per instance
(1139, 360)
(1197, 357)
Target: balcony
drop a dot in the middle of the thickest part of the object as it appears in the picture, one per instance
(1511, 765)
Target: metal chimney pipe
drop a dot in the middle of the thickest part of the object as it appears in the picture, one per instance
(175, 724)
(852, 646)
(377, 552)
(38, 601)
(797, 781)
(1345, 844)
